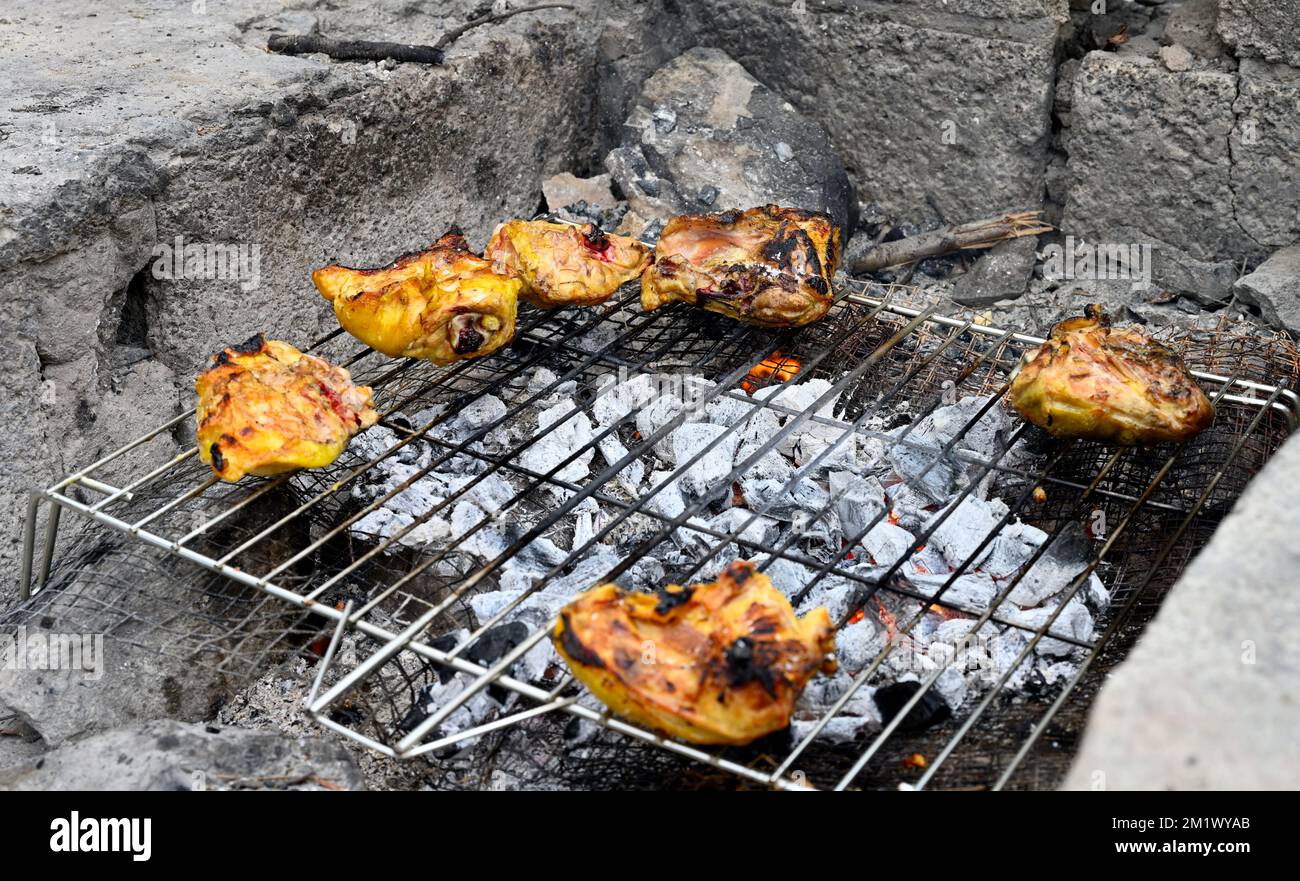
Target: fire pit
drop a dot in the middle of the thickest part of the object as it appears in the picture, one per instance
(982, 576)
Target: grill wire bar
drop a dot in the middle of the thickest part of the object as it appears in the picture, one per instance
(877, 352)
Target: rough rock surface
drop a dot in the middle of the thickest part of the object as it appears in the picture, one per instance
(1274, 288)
(1266, 154)
(1210, 696)
(1268, 29)
(940, 110)
(165, 755)
(1149, 149)
(1192, 24)
(704, 135)
(167, 122)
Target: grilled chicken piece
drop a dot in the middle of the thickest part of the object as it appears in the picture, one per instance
(444, 304)
(769, 266)
(1109, 384)
(565, 265)
(722, 662)
(266, 408)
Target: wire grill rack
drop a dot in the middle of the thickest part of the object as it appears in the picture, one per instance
(273, 564)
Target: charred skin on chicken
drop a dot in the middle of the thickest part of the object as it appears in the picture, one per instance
(561, 264)
(445, 304)
(721, 662)
(266, 408)
(769, 266)
(1090, 380)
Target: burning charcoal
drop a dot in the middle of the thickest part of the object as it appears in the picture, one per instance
(910, 508)
(541, 379)
(1058, 672)
(983, 439)
(494, 644)
(972, 590)
(583, 530)
(801, 397)
(617, 400)
(833, 592)
(787, 576)
(925, 470)
(838, 454)
(478, 413)
(857, 644)
(951, 686)
(929, 710)
(1003, 651)
(486, 541)
(964, 528)
(646, 574)
(954, 631)
(666, 500)
(1064, 559)
(1011, 549)
(655, 415)
(775, 500)
(630, 477)
(707, 477)
(886, 543)
(1098, 595)
(548, 451)
(858, 500)
(665, 120)
(591, 570)
(765, 476)
(1075, 621)
(763, 530)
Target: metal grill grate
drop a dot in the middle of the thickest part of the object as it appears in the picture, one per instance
(400, 613)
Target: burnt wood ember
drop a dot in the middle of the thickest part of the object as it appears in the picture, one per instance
(929, 710)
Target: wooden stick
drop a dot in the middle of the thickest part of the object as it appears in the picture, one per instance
(370, 50)
(959, 236)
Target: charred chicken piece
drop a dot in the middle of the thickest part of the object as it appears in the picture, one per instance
(1090, 380)
(565, 265)
(722, 662)
(444, 304)
(769, 266)
(266, 408)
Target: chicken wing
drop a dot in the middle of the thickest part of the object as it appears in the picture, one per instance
(1093, 381)
(722, 662)
(266, 408)
(565, 265)
(444, 304)
(769, 266)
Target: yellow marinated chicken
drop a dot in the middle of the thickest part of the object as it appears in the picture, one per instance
(444, 304)
(769, 266)
(266, 408)
(562, 264)
(1090, 380)
(722, 662)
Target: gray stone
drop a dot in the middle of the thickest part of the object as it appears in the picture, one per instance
(165, 755)
(731, 134)
(1266, 154)
(1192, 24)
(1002, 273)
(1176, 57)
(1138, 129)
(930, 103)
(1209, 698)
(1268, 29)
(1274, 288)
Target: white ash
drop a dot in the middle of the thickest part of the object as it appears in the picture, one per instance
(879, 496)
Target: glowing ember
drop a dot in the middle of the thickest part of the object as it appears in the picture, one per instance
(777, 367)
(915, 760)
(887, 618)
(857, 616)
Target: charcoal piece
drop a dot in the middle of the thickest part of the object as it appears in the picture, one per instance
(929, 710)
(445, 643)
(493, 645)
